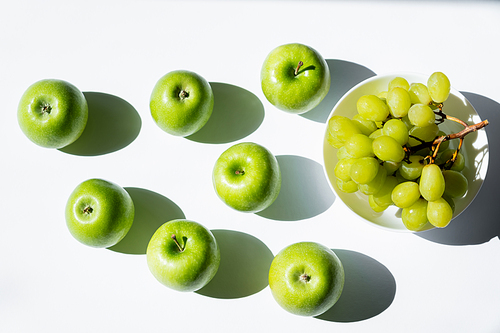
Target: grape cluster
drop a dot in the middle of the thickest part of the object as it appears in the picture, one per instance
(394, 152)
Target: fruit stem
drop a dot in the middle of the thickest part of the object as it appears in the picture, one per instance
(183, 94)
(440, 139)
(305, 278)
(46, 108)
(298, 67)
(177, 243)
(239, 172)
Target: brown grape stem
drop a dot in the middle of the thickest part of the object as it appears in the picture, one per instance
(440, 139)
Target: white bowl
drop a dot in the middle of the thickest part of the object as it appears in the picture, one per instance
(474, 149)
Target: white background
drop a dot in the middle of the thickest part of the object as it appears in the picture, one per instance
(115, 51)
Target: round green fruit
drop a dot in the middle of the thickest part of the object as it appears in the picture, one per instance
(52, 113)
(183, 255)
(181, 102)
(99, 213)
(247, 177)
(295, 78)
(306, 278)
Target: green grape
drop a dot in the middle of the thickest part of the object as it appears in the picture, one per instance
(445, 144)
(347, 187)
(412, 169)
(342, 153)
(449, 201)
(439, 87)
(423, 152)
(421, 115)
(387, 148)
(399, 82)
(459, 163)
(445, 159)
(396, 129)
(366, 127)
(415, 217)
(405, 194)
(376, 208)
(334, 142)
(364, 169)
(426, 134)
(359, 145)
(439, 212)
(341, 128)
(419, 94)
(382, 95)
(400, 178)
(375, 184)
(399, 102)
(455, 184)
(431, 182)
(383, 196)
(342, 169)
(391, 167)
(407, 122)
(372, 108)
(376, 134)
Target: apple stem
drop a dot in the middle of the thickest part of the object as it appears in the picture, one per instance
(88, 210)
(239, 172)
(305, 278)
(176, 242)
(298, 67)
(46, 108)
(183, 94)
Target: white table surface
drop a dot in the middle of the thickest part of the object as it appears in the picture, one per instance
(115, 51)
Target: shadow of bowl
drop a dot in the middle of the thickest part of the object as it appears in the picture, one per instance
(244, 266)
(112, 125)
(236, 114)
(369, 289)
(151, 211)
(304, 193)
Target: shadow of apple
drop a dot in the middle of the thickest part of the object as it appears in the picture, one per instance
(344, 76)
(244, 266)
(237, 113)
(151, 211)
(478, 223)
(112, 125)
(304, 190)
(369, 289)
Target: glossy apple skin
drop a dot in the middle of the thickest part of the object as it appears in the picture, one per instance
(295, 93)
(257, 187)
(187, 270)
(65, 121)
(325, 284)
(177, 115)
(111, 216)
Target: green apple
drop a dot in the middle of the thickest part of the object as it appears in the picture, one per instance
(247, 177)
(306, 278)
(295, 78)
(181, 102)
(52, 113)
(99, 213)
(183, 255)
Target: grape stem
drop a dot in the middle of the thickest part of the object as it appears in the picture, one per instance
(440, 139)
(444, 116)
